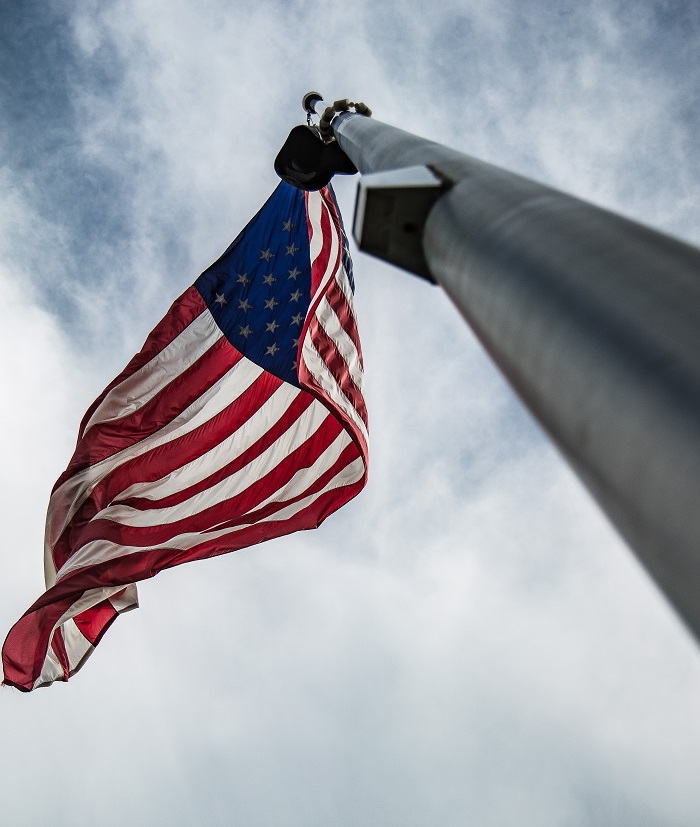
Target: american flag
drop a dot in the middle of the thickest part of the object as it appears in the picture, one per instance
(241, 419)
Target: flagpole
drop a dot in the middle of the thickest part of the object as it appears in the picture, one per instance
(593, 319)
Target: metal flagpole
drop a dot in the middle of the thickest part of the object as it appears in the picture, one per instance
(594, 320)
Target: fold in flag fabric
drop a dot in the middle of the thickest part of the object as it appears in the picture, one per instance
(241, 419)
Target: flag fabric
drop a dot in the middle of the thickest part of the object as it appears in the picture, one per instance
(241, 419)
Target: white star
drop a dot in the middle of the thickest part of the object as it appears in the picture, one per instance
(294, 273)
(243, 278)
(270, 304)
(271, 350)
(287, 226)
(295, 295)
(220, 299)
(269, 279)
(244, 304)
(272, 326)
(291, 249)
(296, 343)
(245, 332)
(296, 319)
(266, 254)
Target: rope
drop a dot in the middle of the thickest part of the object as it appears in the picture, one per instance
(330, 112)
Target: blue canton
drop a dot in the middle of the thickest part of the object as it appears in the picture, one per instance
(259, 290)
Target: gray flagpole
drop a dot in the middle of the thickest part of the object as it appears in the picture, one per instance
(593, 319)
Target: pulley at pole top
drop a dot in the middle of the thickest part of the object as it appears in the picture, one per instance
(309, 102)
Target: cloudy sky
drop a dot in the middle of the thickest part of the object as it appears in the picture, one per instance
(468, 642)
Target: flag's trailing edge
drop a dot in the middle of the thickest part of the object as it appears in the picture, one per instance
(241, 419)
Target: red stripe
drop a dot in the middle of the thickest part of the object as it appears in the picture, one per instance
(239, 505)
(182, 313)
(94, 622)
(336, 298)
(104, 440)
(309, 383)
(338, 368)
(290, 416)
(159, 462)
(164, 459)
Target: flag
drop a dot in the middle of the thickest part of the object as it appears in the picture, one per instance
(241, 419)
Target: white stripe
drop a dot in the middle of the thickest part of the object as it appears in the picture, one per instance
(329, 321)
(100, 551)
(319, 370)
(222, 454)
(127, 601)
(49, 566)
(316, 240)
(143, 385)
(50, 671)
(314, 202)
(66, 500)
(307, 425)
(77, 645)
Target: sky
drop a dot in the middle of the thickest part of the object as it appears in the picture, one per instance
(467, 642)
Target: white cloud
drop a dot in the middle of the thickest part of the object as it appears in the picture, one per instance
(466, 641)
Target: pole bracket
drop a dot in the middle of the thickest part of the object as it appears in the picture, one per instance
(391, 209)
